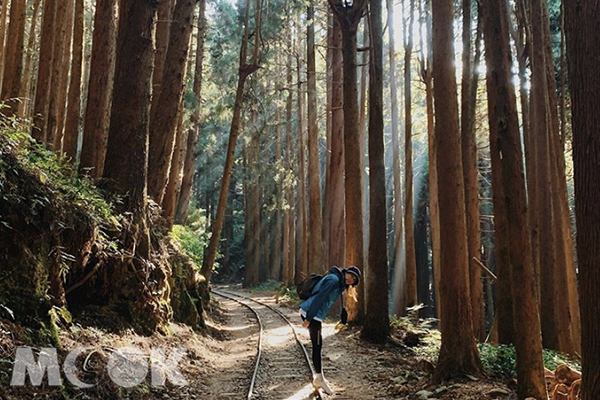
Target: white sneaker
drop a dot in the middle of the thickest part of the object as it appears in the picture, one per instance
(319, 382)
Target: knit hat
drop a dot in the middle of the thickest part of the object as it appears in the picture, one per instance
(356, 272)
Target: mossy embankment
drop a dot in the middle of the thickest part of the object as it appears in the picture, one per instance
(63, 250)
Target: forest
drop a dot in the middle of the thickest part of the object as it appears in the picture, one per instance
(173, 172)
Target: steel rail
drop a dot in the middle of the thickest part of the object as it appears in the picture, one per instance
(230, 295)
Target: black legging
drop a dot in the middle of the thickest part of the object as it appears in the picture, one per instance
(314, 328)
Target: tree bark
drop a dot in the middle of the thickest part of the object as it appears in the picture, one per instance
(74, 102)
(189, 168)
(32, 45)
(505, 143)
(410, 291)
(175, 172)
(377, 324)
(63, 77)
(458, 353)
(583, 40)
(102, 71)
(434, 205)
(164, 20)
(58, 63)
(540, 130)
(349, 17)
(288, 216)
(315, 237)
(129, 118)
(469, 151)
(302, 235)
(163, 116)
(399, 265)
(13, 63)
(3, 20)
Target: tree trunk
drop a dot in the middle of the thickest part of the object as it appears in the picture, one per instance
(244, 71)
(337, 230)
(129, 120)
(349, 18)
(410, 292)
(32, 45)
(13, 65)
(583, 40)
(399, 265)
(42, 93)
(254, 234)
(102, 70)
(505, 143)
(458, 354)
(288, 216)
(377, 324)
(189, 168)
(164, 20)
(74, 102)
(302, 254)
(163, 117)
(175, 171)
(566, 289)
(58, 62)
(540, 130)
(434, 207)
(63, 77)
(315, 236)
(3, 20)
(469, 151)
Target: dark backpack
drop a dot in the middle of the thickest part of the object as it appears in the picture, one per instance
(306, 287)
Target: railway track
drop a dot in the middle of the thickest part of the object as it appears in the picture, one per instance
(281, 371)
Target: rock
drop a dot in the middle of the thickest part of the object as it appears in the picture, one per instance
(441, 390)
(423, 394)
(498, 392)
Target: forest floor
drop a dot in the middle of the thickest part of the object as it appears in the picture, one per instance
(219, 362)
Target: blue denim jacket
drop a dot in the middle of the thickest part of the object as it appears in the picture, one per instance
(324, 294)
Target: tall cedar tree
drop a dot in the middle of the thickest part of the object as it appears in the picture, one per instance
(245, 70)
(189, 168)
(164, 20)
(164, 113)
(315, 235)
(3, 18)
(13, 66)
(130, 115)
(301, 271)
(97, 113)
(434, 207)
(288, 217)
(410, 292)
(458, 353)
(74, 97)
(469, 151)
(42, 92)
(377, 323)
(32, 44)
(507, 158)
(399, 266)
(349, 15)
(583, 41)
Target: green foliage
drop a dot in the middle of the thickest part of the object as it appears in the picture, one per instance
(501, 360)
(54, 171)
(268, 286)
(192, 238)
